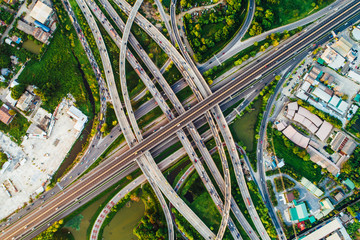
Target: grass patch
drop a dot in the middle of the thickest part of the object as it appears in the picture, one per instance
(154, 51)
(209, 32)
(184, 93)
(167, 152)
(110, 118)
(179, 175)
(273, 14)
(243, 129)
(17, 128)
(271, 193)
(306, 169)
(61, 69)
(262, 210)
(141, 101)
(172, 74)
(196, 196)
(149, 117)
(279, 184)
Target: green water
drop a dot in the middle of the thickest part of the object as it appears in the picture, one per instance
(31, 46)
(243, 129)
(85, 222)
(122, 225)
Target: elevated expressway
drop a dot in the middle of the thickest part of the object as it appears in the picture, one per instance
(106, 171)
(179, 108)
(130, 138)
(148, 166)
(225, 131)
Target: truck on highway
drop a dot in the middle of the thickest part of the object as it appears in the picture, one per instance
(248, 201)
(137, 71)
(113, 32)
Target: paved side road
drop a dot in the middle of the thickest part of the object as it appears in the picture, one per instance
(249, 42)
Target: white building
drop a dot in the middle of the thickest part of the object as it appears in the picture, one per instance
(354, 76)
(78, 116)
(41, 12)
(333, 59)
(327, 231)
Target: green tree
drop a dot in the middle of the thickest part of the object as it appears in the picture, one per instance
(183, 4)
(103, 127)
(5, 60)
(3, 159)
(17, 91)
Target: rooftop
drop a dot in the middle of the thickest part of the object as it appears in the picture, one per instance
(41, 12)
(342, 46)
(326, 230)
(349, 184)
(343, 143)
(296, 137)
(5, 116)
(311, 187)
(333, 59)
(299, 212)
(324, 131)
(354, 76)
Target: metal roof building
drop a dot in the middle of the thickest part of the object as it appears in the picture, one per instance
(321, 94)
(342, 46)
(80, 118)
(41, 12)
(296, 137)
(327, 230)
(299, 212)
(354, 76)
(349, 184)
(324, 131)
(311, 187)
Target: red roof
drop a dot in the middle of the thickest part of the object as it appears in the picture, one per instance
(5, 116)
(301, 225)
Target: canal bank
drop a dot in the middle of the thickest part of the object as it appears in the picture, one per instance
(83, 140)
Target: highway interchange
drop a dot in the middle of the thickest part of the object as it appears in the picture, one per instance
(244, 78)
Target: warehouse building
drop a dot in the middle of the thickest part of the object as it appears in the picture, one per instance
(343, 144)
(41, 12)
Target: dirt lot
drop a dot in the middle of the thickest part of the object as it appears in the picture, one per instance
(40, 158)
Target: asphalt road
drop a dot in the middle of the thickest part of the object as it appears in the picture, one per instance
(239, 45)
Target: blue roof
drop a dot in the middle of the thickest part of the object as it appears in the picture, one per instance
(349, 184)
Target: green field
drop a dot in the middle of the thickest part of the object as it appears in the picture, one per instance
(61, 70)
(149, 117)
(306, 169)
(184, 93)
(210, 31)
(276, 13)
(243, 129)
(172, 74)
(201, 202)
